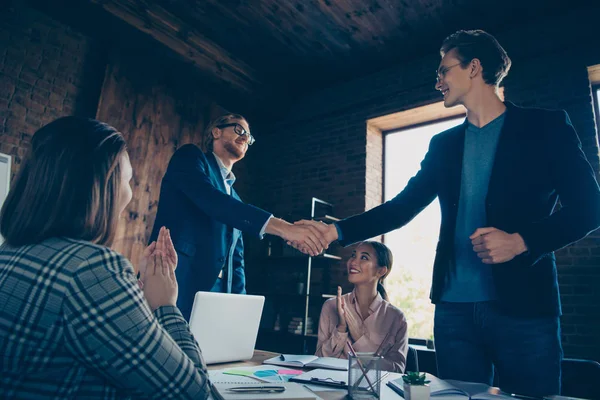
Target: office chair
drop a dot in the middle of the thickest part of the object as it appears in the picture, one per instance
(580, 378)
(412, 360)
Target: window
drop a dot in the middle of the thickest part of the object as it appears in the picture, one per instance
(596, 96)
(4, 180)
(414, 245)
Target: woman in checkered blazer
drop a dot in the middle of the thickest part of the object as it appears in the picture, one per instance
(74, 322)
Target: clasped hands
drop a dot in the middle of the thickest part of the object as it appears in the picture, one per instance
(309, 237)
(157, 272)
(492, 245)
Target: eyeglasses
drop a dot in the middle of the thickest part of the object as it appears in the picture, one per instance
(240, 131)
(441, 73)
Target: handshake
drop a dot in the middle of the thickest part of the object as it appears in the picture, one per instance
(309, 237)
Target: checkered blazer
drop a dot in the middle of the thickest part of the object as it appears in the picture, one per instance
(75, 324)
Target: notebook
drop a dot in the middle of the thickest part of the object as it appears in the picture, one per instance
(439, 387)
(293, 391)
(307, 361)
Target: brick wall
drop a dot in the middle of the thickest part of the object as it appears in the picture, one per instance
(145, 98)
(322, 147)
(45, 72)
(49, 69)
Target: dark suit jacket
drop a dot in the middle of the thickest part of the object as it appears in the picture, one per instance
(205, 223)
(537, 161)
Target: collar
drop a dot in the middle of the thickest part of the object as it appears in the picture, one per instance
(227, 175)
(375, 304)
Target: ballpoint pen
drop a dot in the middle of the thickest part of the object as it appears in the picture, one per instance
(258, 389)
(498, 391)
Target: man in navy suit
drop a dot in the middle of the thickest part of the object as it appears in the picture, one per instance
(206, 217)
(498, 177)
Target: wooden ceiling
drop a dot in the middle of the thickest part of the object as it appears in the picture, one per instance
(303, 45)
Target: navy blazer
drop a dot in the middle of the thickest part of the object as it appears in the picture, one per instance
(205, 223)
(538, 160)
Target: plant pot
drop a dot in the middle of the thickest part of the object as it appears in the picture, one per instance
(416, 392)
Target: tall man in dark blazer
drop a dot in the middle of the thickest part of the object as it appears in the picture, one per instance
(498, 177)
(206, 217)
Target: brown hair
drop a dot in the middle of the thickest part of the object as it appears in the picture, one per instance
(482, 46)
(384, 259)
(208, 138)
(68, 185)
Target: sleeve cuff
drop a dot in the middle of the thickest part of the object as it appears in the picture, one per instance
(264, 228)
(166, 315)
(340, 336)
(339, 232)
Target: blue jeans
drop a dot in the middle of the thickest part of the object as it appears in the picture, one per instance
(473, 339)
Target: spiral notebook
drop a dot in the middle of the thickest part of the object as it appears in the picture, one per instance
(293, 391)
(308, 361)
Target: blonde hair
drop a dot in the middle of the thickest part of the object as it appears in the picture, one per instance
(208, 139)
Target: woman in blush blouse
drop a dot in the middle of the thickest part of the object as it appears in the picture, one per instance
(365, 316)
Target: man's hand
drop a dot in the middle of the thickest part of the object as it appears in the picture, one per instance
(308, 238)
(494, 246)
(328, 231)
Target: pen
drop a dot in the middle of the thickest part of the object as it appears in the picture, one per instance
(495, 390)
(377, 353)
(258, 389)
(362, 368)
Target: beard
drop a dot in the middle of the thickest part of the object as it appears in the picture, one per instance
(234, 150)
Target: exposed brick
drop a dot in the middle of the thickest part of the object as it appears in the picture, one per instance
(29, 63)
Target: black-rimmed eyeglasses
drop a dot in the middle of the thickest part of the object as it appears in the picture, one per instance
(240, 131)
(441, 73)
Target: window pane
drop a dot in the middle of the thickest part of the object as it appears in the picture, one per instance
(414, 245)
(598, 103)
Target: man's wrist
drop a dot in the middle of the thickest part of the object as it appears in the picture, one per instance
(332, 233)
(276, 226)
(342, 328)
(520, 243)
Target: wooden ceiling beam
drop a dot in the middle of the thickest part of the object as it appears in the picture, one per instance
(182, 38)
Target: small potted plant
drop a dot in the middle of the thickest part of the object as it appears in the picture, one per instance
(415, 386)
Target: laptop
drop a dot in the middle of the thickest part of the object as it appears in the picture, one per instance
(226, 325)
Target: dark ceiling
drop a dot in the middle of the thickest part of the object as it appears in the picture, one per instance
(299, 46)
(305, 44)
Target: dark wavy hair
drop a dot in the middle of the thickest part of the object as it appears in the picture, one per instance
(384, 259)
(68, 185)
(482, 46)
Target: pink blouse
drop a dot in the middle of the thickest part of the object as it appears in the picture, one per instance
(383, 318)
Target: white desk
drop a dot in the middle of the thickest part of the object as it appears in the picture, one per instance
(386, 392)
